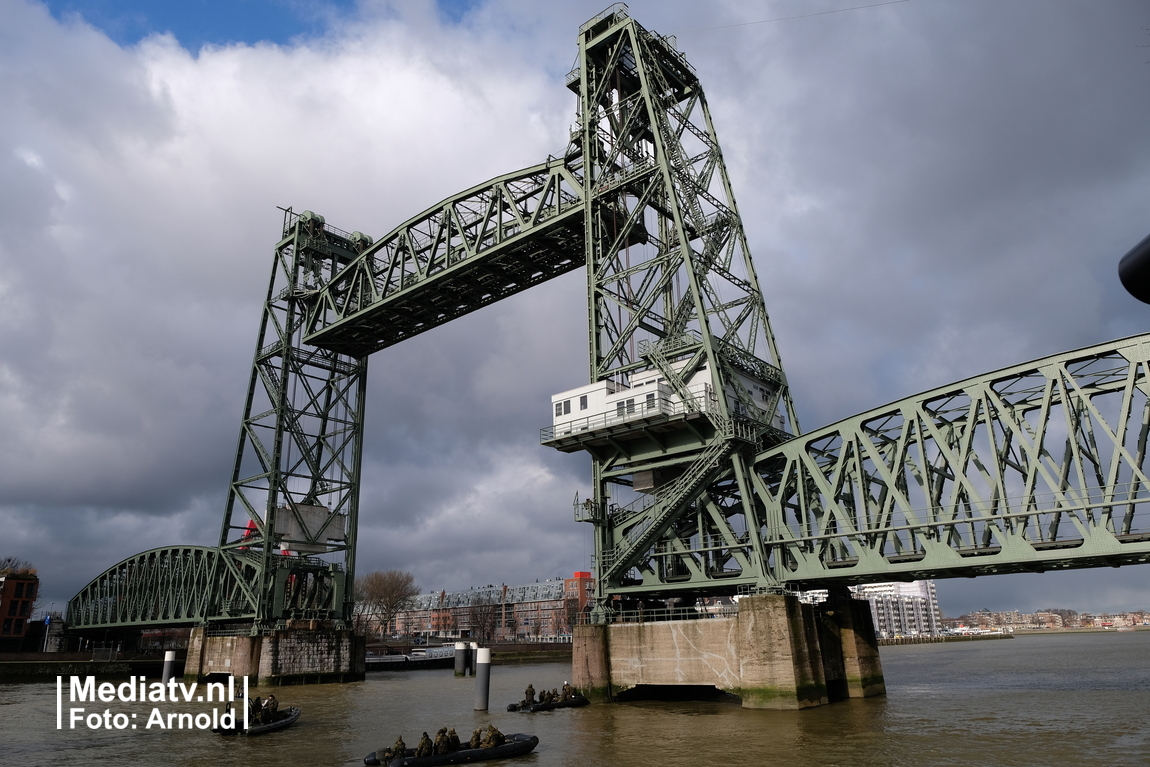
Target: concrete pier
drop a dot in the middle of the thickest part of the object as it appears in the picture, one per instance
(287, 656)
(776, 653)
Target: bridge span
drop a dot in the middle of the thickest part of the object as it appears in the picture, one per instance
(702, 482)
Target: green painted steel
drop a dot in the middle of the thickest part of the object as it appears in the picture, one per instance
(1035, 467)
(676, 315)
(166, 587)
(190, 585)
(470, 250)
(1041, 466)
(700, 487)
(289, 528)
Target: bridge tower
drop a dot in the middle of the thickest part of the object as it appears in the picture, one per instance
(289, 529)
(686, 382)
(686, 388)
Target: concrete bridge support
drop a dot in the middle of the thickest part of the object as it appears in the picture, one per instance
(286, 656)
(777, 653)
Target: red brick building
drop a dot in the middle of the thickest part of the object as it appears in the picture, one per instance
(543, 611)
(17, 595)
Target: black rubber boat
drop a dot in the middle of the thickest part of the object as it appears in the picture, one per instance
(516, 745)
(291, 714)
(535, 708)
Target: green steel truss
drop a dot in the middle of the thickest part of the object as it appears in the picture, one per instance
(166, 587)
(188, 585)
(469, 251)
(1036, 467)
(699, 486)
(289, 531)
(674, 299)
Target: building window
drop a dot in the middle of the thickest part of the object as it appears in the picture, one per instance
(19, 590)
(7, 625)
(650, 401)
(583, 402)
(29, 590)
(558, 408)
(13, 607)
(566, 407)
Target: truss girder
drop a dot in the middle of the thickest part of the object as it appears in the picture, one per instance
(168, 586)
(470, 250)
(1036, 467)
(191, 585)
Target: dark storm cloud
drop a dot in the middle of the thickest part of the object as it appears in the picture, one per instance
(931, 190)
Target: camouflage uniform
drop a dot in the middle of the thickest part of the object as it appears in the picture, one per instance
(493, 738)
(452, 740)
(441, 741)
(476, 739)
(425, 747)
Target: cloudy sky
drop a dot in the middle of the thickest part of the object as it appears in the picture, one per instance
(931, 190)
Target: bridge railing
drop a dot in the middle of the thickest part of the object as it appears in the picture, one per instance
(666, 614)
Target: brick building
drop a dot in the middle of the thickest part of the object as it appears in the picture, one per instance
(18, 591)
(543, 611)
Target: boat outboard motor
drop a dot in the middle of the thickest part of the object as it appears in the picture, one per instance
(1134, 271)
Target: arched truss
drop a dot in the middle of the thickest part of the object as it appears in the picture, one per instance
(189, 585)
(168, 586)
(1036, 467)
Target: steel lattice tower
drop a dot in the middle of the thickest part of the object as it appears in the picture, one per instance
(677, 317)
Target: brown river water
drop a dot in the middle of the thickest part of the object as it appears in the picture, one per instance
(1051, 700)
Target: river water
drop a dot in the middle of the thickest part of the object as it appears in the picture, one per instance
(1050, 700)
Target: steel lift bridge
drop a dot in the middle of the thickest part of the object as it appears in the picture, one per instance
(703, 483)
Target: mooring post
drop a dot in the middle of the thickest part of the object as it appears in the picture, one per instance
(169, 664)
(482, 677)
(460, 658)
(474, 648)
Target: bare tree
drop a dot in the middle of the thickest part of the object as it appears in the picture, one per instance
(382, 595)
(15, 565)
(484, 617)
(571, 613)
